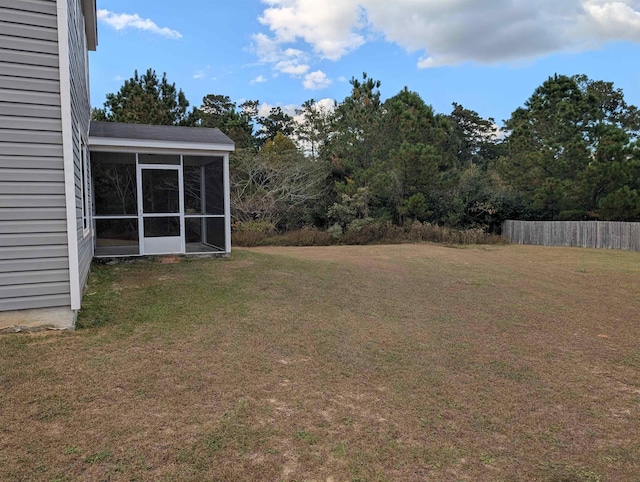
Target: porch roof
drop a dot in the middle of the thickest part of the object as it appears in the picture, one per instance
(121, 135)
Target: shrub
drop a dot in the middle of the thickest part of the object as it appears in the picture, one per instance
(257, 226)
(251, 233)
(365, 231)
(335, 231)
(247, 238)
(307, 236)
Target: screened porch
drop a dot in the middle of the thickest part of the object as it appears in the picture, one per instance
(159, 201)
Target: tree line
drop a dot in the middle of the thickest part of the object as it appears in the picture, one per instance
(571, 152)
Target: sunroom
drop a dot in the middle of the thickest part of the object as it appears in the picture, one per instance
(159, 190)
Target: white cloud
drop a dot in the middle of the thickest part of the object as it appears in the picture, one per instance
(284, 60)
(498, 133)
(267, 49)
(292, 68)
(447, 32)
(463, 30)
(259, 80)
(606, 20)
(316, 80)
(329, 26)
(122, 21)
(265, 109)
(326, 105)
(202, 73)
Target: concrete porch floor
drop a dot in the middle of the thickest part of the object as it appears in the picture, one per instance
(133, 250)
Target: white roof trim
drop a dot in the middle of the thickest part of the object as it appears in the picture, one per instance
(96, 142)
(90, 23)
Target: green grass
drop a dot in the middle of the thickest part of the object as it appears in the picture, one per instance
(406, 362)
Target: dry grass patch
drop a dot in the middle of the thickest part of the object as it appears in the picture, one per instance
(405, 362)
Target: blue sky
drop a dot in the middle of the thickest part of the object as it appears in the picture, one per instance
(488, 55)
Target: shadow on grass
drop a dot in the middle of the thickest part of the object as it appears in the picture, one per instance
(127, 296)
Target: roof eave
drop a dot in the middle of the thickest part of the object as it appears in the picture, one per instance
(174, 146)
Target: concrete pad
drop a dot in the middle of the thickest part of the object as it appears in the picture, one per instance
(37, 320)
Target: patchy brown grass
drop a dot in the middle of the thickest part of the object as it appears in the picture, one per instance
(405, 362)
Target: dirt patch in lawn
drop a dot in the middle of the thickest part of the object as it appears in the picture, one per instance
(404, 362)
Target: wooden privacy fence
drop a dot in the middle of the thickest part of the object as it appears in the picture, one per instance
(587, 234)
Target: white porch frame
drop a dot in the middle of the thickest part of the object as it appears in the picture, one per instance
(182, 149)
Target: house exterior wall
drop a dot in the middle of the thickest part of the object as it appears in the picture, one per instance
(45, 240)
(34, 256)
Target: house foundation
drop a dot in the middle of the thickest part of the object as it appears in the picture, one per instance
(60, 319)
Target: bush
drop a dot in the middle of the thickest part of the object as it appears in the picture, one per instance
(374, 233)
(335, 231)
(366, 232)
(247, 238)
(438, 234)
(306, 236)
(258, 226)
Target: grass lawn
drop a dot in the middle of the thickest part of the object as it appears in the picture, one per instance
(405, 362)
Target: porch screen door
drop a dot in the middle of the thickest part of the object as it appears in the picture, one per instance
(161, 198)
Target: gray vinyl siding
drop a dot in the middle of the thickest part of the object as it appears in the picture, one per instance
(80, 114)
(34, 264)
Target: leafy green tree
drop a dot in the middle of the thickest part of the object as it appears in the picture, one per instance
(407, 118)
(357, 123)
(280, 149)
(277, 121)
(145, 99)
(474, 138)
(235, 121)
(350, 209)
(622, 205)
(416, 207)
(416, 166)
(216, 110)
(409, 131)
(571, 146)
(547, 150)
(314, 128)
